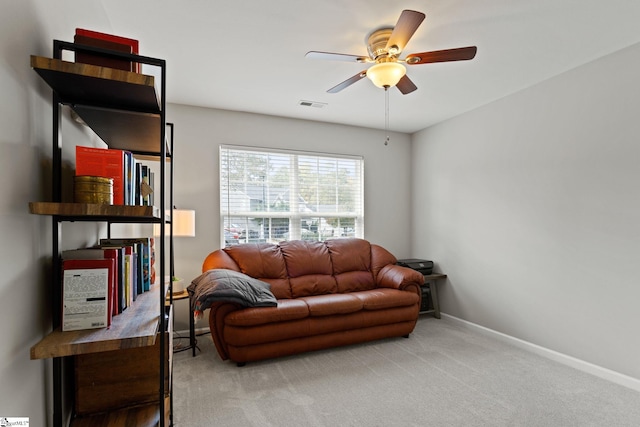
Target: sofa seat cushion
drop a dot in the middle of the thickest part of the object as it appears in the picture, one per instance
(327, 305)
(383, 298)
(254, 336)
(287, 310)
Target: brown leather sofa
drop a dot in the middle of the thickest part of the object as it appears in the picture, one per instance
(329, 294)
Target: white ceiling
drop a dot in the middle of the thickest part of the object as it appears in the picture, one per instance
(248, 55)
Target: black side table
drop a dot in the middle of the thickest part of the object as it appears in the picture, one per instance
(193, 342)
(430, 282)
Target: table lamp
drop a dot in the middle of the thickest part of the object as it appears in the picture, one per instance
(184, 225)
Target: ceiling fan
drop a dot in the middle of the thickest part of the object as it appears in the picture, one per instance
(384, 46)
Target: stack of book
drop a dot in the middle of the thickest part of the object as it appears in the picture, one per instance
(133, 181)
(102, 281)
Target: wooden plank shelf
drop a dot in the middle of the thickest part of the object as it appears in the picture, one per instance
(93, 210)
(85, 84)
(137, 326)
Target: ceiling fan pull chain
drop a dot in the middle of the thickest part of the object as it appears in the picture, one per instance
(386, 115)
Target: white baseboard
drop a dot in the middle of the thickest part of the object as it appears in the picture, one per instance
(581, 365)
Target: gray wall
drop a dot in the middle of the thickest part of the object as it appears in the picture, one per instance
(531, 205)
(199, 132)
(25, 123)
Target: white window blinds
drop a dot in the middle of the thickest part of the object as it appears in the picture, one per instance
(275, 195)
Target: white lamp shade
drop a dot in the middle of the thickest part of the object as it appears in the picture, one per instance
(184, 224)
(386, 74)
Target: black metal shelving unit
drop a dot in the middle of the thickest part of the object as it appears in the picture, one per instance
(127, 112)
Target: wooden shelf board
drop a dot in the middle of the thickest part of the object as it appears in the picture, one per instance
(137, 326)
(85, 84)
(93, 210)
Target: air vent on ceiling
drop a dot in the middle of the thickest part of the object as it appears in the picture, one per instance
(312, 104)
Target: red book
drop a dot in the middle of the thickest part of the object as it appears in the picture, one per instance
(131, 44)
(118, 253)
(87, 293)
(107, 163)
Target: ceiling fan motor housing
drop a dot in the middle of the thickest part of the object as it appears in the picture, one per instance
(377, 42)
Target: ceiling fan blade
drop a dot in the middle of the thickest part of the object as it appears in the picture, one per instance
(459, 54)
(348, 82)
(405, 85)
(336, 56)
(407, 24)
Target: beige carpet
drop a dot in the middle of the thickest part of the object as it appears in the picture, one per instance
(443, 375)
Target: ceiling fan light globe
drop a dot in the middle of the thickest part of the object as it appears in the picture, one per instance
(386, 74)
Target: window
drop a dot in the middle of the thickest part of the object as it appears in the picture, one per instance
(275, 195)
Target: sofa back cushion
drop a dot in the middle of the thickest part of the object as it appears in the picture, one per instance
(301, 268)
(351, 261)
(263, 261)
(309, 267)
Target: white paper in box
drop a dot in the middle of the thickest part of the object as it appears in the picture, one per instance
(85, 299)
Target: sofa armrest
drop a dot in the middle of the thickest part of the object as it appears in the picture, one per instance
(219, 259)
(402, 278)
(217, 313)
